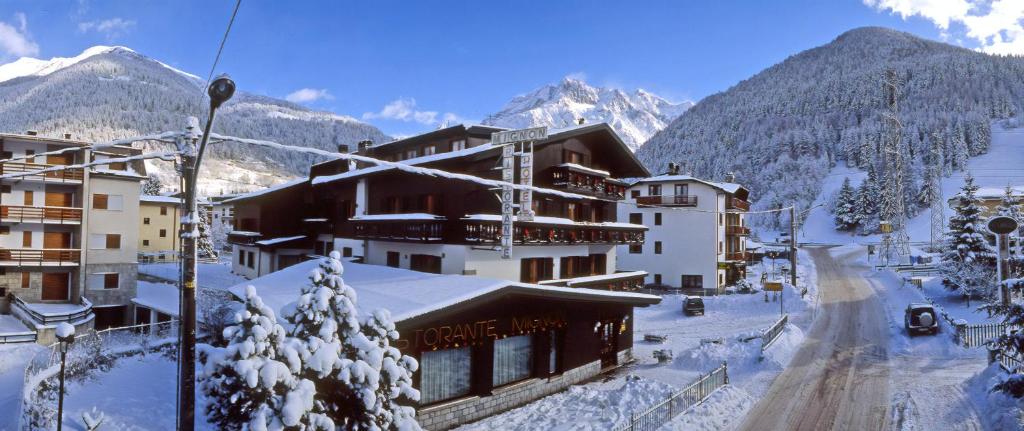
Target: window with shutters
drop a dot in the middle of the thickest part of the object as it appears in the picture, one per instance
(99, 201)
(163, 210)
(163, 233)
(30, 198)
(26, 280)
(145, 242)
(636, 218)
(657, 219)
(113, 241)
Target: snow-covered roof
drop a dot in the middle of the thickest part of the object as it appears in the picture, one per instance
(584, 169)
(281, 240)
(414, 161)
(594, 278)
(159, 199)
(555, 221)
(409, 294)
(405, 216)
(262, 192)
(158, 296)
(998, 192)
(726, 187)
(116, 173)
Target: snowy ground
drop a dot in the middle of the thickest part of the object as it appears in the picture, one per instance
(955, 304)
(637, 386)
(211, 275)
(13, 358)
(1003, 164)
(11, 325)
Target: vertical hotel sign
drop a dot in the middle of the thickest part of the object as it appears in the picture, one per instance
(508, 140)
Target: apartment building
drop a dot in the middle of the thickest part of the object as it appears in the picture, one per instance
(67, 237)
(385, 216)
(160, 220)
(697, 236)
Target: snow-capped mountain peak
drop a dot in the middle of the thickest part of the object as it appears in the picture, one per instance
(28, 66)
(635, 116)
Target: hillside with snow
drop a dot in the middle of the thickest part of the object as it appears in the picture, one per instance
(113, 92)
(783, 129)
(636, 116)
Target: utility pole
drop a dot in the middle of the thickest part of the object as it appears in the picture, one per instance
(792, 245)
(894, 216)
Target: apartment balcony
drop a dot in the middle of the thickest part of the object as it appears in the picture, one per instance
(737, 256)
(40, 256)
(45, 215)
(68, 176)
(397, 229)
(582, 180)
(553, 231)
(733, 203)
(737, 230)
(668, 200)
(53, 313)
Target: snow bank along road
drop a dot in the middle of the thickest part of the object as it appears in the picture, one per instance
(840, 376)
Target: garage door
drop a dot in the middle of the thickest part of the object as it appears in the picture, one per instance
(56, 286)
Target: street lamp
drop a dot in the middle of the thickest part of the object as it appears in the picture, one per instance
(65, 337)
(220, 90)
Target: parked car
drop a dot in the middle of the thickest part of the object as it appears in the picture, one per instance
(921, 318)
(693, 306)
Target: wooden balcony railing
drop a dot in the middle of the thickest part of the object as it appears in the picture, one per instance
(579, 182)
(40, 256)
(64, 175)
(402, 230)
(737, 256)
(737, 204)
(532, 233)
(668, 200)
(26, 214)
(737, 230)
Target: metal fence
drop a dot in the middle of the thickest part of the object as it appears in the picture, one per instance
(25, 337)
(979, 334)
(677, 403)
(90, 351)
(772, 333)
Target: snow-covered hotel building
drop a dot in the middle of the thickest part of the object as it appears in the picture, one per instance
(449, 226)
(68, 238)
(697, 236)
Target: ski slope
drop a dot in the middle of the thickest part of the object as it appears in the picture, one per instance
(1002, 165)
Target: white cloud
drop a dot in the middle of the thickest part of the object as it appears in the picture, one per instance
(306, 95)
(404, 109)
(997, 26)
(110, 28)
(15, 39)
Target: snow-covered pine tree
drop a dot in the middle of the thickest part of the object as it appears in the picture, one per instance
(1010, 205)
(152, 186)
(1011, 344)
(967, 256)
(846, 207)
(867, 202)
(360, 379)
(204, 245)
(252, 383)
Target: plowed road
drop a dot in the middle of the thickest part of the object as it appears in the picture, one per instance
(840, 377)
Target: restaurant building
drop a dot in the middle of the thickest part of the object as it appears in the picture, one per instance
(484, 345)
(444, 225)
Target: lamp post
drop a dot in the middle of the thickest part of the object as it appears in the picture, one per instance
(220, 90)
(65, 337)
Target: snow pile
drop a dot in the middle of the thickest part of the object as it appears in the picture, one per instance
(998, 409)
(724, 409)
(597, 406)
(65, 330)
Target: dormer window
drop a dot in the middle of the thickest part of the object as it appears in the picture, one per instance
(459, 145)
(573, 157)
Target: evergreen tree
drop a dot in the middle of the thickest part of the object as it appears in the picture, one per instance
(867, 203)
(1010, 205)
(252, 383)
(1012, 343)
(152, 186)
(846, 217)
(360, 378)
(967, 256)
(204, 244)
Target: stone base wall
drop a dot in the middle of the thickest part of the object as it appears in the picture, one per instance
(127, 283)
(450, 415)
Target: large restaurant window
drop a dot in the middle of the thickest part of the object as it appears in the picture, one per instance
(692, 282)
(536, 269)
(513, 359)
(425, 263)
(554, 344)
(445, 374)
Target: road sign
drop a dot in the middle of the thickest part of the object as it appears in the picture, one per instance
(773, 286)
(521, 135)
(1002, 225)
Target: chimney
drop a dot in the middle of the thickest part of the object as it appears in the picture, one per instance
(343, 148)
(365, 145)
(580, 121)
(32, 133)
(730, 177)
(673, 168)
(67, 136)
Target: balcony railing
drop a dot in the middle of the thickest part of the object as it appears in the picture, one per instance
(566, 178)
(64, 175)
(668, 200)
(737, 256)
(26, 214)
(737, 230)
(401, 230)
(737, 204)
(238, 237)
(533, 233)
(40, 256)
(45, 318)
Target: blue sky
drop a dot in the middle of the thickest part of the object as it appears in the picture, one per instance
(464, 59)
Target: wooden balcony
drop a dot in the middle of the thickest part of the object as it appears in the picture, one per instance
(536, 233)
(48, 215)
(668, 200)
(73, 175)
(40, 257)
(737, 230)
(737, 256)
(585, 182)
(401, 230)
(733, 203)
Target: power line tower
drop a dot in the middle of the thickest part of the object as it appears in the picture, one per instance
(894, 215)
(935, 201)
